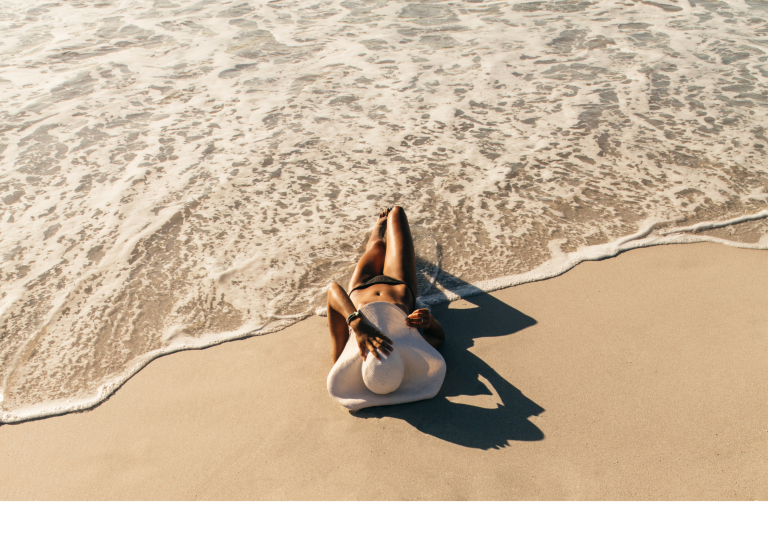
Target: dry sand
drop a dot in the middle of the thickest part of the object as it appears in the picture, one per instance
(648, 370)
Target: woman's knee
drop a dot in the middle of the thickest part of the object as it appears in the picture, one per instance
(397, 217)
(376, 246)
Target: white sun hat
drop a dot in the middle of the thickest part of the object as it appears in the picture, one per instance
(413, 371)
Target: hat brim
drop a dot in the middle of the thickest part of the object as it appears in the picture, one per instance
(424, 366)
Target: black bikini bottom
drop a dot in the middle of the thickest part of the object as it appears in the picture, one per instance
(385, 280)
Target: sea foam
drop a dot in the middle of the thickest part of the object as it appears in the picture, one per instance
(180, 173)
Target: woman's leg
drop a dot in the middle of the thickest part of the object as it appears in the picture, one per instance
(400, 258)
(371, 263)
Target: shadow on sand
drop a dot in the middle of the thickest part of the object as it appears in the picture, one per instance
(460, 423)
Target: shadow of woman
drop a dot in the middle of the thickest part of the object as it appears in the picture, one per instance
(469, 378)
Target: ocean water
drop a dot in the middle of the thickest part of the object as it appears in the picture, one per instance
(177, 173)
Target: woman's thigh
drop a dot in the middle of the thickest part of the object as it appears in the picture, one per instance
(400, 258)
(370, 264)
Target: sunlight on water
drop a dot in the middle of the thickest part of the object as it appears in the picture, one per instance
(177, 173)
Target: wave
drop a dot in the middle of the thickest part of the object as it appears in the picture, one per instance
(173, 175)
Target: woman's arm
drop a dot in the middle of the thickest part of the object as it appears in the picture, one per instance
(339, 307)
(368, 338)
(433, 330)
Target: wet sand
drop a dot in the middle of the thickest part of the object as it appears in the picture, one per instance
(647, 372)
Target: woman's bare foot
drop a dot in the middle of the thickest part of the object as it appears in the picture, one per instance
(380, 228)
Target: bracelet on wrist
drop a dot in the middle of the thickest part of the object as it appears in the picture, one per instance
(353, 316)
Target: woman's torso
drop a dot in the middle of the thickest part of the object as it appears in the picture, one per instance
(394, 294)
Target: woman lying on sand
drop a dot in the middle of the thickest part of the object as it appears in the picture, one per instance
(385, 273)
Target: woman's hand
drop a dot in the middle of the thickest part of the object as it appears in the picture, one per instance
(421, 318)
(433, 330)
(369, 339)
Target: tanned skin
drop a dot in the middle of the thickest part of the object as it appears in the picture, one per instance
(389, 251)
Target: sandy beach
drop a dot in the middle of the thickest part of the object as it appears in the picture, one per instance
(641, 377)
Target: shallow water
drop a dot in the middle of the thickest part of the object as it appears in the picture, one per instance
(178, 173)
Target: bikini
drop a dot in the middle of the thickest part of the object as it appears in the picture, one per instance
(384, 280)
